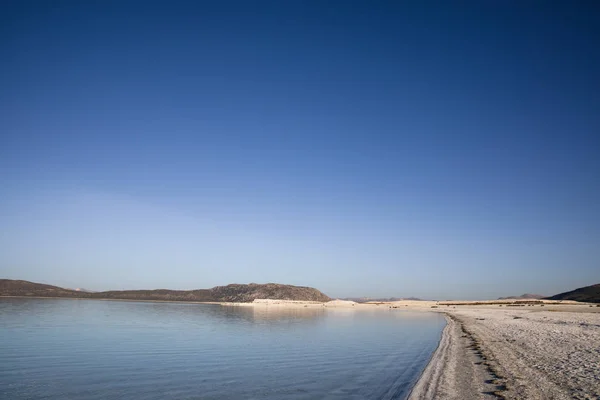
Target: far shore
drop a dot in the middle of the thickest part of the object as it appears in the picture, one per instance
(107, 299)
(423, 305)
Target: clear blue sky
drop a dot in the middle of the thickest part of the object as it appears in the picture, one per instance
(432, 149)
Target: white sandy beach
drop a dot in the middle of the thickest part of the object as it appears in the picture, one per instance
(516, 353)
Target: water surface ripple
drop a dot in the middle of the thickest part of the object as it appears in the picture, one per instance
(90, 349)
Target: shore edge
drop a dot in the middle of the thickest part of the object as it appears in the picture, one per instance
(428, 383)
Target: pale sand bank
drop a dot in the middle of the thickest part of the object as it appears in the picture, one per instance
(297, 303)
(338, 304)
(406, 304)
(516, 353)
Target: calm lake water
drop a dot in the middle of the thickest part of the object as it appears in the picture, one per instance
(90, 349)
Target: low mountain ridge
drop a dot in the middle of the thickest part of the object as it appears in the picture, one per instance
(588, 294)
(247, 293)
(231, 293)
(523, 296)
(9, 287)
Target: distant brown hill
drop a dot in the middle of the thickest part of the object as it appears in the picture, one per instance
(589, 294)
(247, 293)
(229, 293)
(523, 296)
(9, 287)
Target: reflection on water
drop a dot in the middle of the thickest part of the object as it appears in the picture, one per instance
(90, 349)
(283, 314)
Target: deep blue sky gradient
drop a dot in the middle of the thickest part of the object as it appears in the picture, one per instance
(432, 149)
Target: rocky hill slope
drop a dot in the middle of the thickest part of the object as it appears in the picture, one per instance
(589, 294)
(9, 287)
(229, 293)
(247, 293)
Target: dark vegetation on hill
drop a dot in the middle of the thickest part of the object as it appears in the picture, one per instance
(588, 294)
(229, 293)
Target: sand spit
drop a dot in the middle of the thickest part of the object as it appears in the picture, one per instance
(285, 302)
(515, 353)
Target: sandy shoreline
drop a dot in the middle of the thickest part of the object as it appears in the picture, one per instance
(456, 370)
(528, 353)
